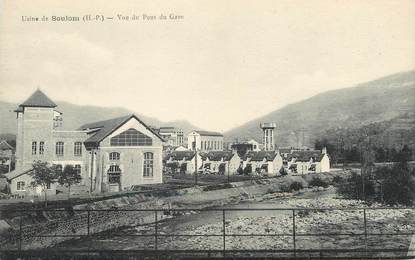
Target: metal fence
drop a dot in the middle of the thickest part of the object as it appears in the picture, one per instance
(293, 251)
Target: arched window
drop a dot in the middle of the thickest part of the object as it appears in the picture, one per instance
(77, 149)
(59, 148)
(148, 165)
(131, 137)
(114, 174)
(114, 156)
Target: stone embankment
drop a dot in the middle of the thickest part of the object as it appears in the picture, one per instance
(41, 229)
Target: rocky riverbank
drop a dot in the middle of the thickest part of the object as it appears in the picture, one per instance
(273, 230)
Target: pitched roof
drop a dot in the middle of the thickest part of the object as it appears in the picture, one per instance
(208, 133)
(38, 99)
(19, 109)
(218, 155)
(285, 149)
(179, 155)
(4, 145)
(260, 155)
(18, 172)
(106, 127)
(306, 156)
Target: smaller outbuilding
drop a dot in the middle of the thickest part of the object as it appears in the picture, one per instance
(221, 162)
(262, 162)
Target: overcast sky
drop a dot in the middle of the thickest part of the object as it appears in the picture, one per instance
(224, 64)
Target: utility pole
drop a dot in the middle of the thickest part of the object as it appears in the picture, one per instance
(195, 149)
(228, 169)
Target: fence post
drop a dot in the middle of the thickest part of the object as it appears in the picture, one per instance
(224, 232)
(88, 230)
(20, 233)
(88, 223)
(365, 225)
(294, 245)
(155, 230)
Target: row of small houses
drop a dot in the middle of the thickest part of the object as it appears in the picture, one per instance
(269, 163)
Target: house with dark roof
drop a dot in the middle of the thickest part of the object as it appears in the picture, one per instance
(183, 162)
(204, 141)
(110, 155)
(221, 162)
(308, 161)
(262, 162)
(6, 156)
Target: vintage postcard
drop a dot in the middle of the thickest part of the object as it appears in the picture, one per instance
(138, 129)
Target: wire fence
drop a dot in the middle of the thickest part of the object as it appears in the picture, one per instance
(369, 234)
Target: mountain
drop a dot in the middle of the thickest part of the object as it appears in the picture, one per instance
(301, 123)
(74, 116)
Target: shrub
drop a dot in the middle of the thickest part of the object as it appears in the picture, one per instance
(352, 187)
(318, 182)
(398, 185)
(337, 179)
(296, 186)
(285, 188)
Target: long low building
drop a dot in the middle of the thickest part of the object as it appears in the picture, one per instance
(265, 163)
(110, 155)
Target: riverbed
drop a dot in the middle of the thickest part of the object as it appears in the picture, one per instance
(267, 229)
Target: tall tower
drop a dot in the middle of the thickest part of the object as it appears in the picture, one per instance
(35, 122)
(268, 138)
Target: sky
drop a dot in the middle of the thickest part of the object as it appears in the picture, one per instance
(224, 63)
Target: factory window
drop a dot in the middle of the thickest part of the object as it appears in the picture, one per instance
(58, 168)
(77, 168)
(148, 165)
(41, 147)
(114, 156)
(131, 137)
(77, 149)
(34, 146)
(20, 185)
(114, 174)
(59, 148)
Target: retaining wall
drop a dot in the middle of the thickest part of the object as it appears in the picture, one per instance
(71, 221)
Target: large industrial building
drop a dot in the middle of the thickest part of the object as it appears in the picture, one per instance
(205, 141)
(110, 155)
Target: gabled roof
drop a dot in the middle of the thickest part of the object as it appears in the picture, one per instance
(208, 133)
(106, 127)
(260, 155)
(180, 155)
(285, 149)
(218, 155)
(306, 156)
(38, 99)
(4, 145)
(18, 172)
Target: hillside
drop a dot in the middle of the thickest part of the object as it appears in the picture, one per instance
(375, 101)
(74, 116)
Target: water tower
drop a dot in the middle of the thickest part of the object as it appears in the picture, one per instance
(268, 138)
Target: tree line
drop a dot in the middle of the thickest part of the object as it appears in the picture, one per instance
(44, 175)
(358, 152)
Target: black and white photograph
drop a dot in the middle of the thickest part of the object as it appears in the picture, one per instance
(207, 129)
